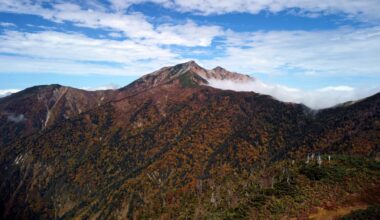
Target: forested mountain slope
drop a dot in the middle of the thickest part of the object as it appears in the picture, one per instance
(172, 147)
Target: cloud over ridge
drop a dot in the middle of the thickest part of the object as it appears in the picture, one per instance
(316, 99)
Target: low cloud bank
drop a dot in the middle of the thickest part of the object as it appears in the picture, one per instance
(316, 99)
(103, 87)
(6, 92)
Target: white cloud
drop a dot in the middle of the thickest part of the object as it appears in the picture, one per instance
(7, 24)
(56, 52)
(316, 99)
(345, 51)
(70, 53)
(115, 35)
(336, 89)
(366, 10)
(12, 64)
(104, 87)
(58, 45)
(134, 25)
(66, 52)
(16, 118)
(6, 92)
(120, 5)
(188, 34)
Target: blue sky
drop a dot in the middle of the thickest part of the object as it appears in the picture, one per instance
(304, 46)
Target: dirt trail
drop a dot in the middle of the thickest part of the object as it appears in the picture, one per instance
(324, 214)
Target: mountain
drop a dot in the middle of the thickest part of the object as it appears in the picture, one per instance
(188, 74)
(37, 108)
(168, 146)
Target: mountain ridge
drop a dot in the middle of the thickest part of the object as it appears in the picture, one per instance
(56, 102)
(168, 74)
(74, 101)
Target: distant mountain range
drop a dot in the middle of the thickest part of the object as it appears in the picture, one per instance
(168, 146)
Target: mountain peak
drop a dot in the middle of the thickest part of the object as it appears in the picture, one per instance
(183, 67)
(187, 64)
(191, 71)
(219, 73)
(190, 63)
(218, 68)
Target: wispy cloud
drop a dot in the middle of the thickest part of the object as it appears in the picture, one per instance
(365, 10)
(15, 64)
(57, 52)
(59, 45)
(140, 46)
(135, 26)
(16, 118)
(346, 51)
(7, 24)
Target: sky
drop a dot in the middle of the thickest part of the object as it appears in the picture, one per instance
(297, 50)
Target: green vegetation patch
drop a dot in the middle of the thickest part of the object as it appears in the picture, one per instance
(333, 173)
(188, 80)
